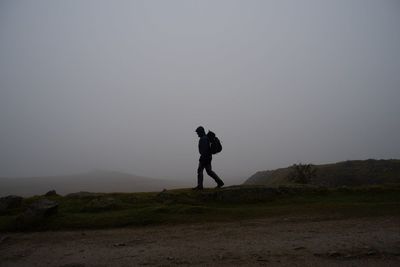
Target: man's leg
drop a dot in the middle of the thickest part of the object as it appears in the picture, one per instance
(200, 175)
(213, 175)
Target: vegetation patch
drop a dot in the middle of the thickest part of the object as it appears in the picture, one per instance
(187, 206)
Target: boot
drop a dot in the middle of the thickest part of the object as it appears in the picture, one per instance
(221, 184)
(198, 188)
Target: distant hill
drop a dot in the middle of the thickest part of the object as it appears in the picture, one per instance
(95, 181)
(346, 173)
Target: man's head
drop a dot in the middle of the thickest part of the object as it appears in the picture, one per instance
(200, 131)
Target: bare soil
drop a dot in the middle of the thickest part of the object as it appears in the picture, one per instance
(294, 241)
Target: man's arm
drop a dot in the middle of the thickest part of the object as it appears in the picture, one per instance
(204, 147)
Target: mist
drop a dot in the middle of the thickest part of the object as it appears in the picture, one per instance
(122, 85)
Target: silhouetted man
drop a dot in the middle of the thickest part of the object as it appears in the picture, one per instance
(205, 160)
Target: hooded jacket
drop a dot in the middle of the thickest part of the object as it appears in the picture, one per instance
(204, 149)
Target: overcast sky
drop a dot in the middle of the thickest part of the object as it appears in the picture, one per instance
(122, 85)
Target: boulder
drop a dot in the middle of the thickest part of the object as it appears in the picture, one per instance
(10, 202)
(36, 212)
(44, 207)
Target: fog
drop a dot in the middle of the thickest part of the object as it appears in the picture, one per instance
(122, 85)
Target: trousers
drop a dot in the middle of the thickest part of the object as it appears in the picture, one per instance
(206, 165)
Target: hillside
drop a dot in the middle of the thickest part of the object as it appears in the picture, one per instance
(346, 173)
(95, 181)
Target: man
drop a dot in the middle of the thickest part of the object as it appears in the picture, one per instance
(205, 160)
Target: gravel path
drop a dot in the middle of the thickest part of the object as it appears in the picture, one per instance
(262, 242)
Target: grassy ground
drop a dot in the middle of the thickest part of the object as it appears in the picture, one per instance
(94, 211)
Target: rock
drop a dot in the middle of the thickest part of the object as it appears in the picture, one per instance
(36, 212)
(44, 207)
(51, 193)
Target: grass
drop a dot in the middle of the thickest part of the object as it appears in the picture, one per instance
(185, 206)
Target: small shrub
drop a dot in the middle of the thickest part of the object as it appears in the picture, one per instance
(302, 173)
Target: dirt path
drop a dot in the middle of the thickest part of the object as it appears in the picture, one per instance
(283, 241)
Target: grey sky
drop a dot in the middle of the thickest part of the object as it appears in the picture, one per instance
(122, 85)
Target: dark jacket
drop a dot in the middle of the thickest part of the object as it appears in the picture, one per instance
(204, 149)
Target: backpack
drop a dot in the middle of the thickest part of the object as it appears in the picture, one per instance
(215, 143)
